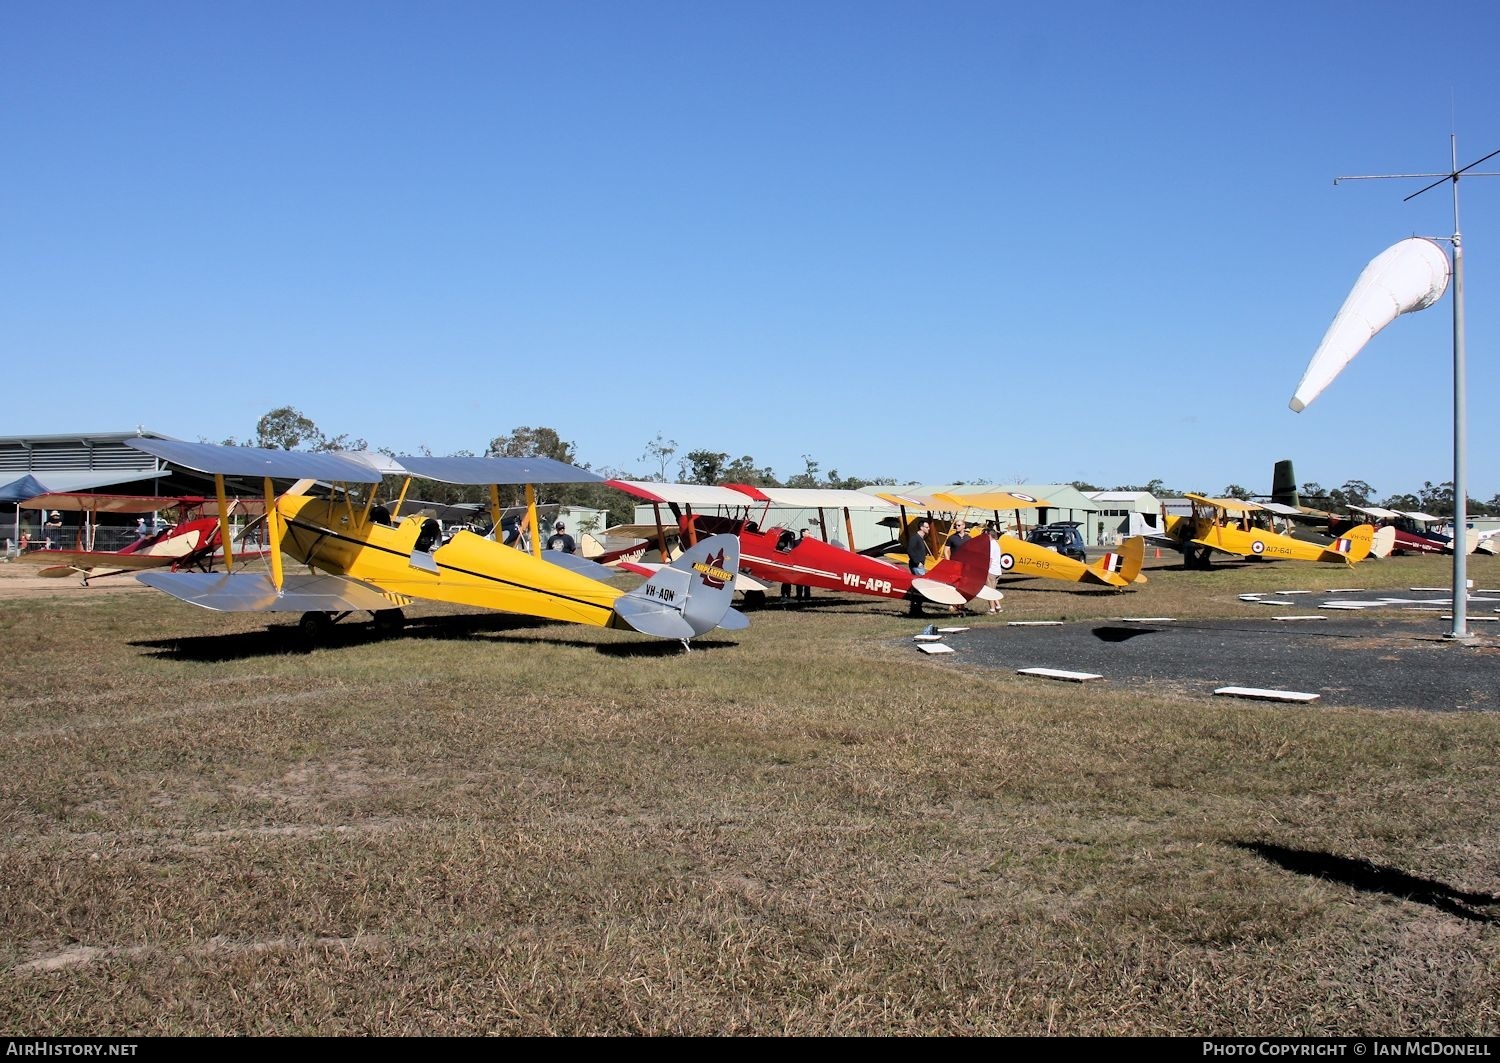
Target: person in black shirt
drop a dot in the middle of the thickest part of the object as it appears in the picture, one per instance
(916, 560)
(561, 540)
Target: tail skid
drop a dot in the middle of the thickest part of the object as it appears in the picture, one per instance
(690, 596)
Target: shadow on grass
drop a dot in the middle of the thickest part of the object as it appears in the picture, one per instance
(278, 640)
(843, 605)
(1042, 585)
(1373, 878)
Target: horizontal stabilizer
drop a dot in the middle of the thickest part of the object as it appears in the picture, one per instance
(937, 591)
(734, 620)
(253, 592)
(653, 618)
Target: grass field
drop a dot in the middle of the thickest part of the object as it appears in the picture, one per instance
(496, 826)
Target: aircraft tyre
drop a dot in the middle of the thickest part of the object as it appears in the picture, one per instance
(314, 627)
(755, 599)
(1198, 558)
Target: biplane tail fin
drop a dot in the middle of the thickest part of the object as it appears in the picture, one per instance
(960, 578)
(690, 596)
(1120, 568)
(1284, 484)
(1352, 547)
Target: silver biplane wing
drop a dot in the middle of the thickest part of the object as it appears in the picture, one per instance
(253, 592)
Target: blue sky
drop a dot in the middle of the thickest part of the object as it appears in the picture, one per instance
(929, 241)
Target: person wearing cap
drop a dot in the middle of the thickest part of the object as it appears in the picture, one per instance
(53, 531)
(561, 540)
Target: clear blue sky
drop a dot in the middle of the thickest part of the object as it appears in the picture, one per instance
(930, 241)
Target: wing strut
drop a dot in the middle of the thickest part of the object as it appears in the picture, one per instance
(224, 535)
(536, 529)
(273, 530)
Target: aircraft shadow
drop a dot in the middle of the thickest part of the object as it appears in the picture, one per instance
(1366, 877)
(279, 640)
(832, 601)
(1120, 634)
(1041, 585)
(773, 604)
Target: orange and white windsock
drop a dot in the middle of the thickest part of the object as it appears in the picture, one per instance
(1412, 275)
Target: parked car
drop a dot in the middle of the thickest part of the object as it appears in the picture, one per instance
(1063, 536)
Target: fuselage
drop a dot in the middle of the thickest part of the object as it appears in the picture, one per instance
(1231, 538)
(777, 555)
(330, 535)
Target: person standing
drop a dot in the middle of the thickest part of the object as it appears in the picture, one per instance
(53, 530)
(950, 547)
(804, 592)
(916, 560)
(997, 566)
(954, 541)
(561, 540)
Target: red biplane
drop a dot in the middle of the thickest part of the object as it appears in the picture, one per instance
(770, 555)
(191, 541)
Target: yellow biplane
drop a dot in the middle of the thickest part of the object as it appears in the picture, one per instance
(1118, 569)
(1228, 525)
(364, 557)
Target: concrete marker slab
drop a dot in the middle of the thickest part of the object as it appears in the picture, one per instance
(932, 647)
(1307, 616)
(1033, 623)
(1262, 694)
(1059, 673)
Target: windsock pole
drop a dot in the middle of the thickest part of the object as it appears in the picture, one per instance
(1460, 631)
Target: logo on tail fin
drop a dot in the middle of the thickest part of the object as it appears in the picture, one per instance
(1343, 546)
(1113, 562)
(713, 572)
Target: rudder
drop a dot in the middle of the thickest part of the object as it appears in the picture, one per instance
(1352, 547)
(690, 596)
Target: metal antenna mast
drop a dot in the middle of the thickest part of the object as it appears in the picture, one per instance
(1460, 417)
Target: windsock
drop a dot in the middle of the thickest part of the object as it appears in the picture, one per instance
(1412, 275)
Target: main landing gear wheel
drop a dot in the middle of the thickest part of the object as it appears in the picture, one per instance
(314, 627)
(389, 621)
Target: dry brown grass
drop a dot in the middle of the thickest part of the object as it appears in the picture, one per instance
(496, 826)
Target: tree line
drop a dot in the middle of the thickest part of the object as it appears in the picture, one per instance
(287, 428)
